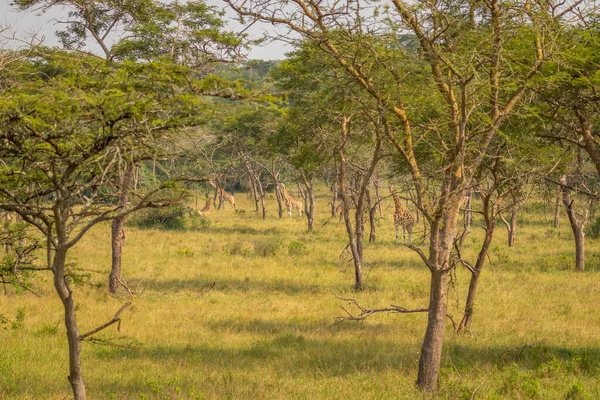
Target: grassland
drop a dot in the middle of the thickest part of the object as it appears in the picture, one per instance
(266, 331)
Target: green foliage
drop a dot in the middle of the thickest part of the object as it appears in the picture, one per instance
(267, 247)
(15, 324)
(593, 229)
(19, 256)
(175, 217)
(297, 249)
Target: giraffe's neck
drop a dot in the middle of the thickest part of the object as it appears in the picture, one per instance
(398, 204)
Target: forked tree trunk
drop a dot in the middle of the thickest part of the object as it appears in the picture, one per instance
(372, 210)
(511, 226)
(261, 191)
(118, 233)
(309, 201)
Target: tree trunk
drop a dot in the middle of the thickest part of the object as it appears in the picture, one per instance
(489, 214)
(512, 231)
(334, 195)
(261, 191)
(372, 211)
(557, 209)
(279, 197)
(577, 227)
(467, 219)
(309, 202)
(64, 293)
(378, 196)
(118, 233)
(431, 350)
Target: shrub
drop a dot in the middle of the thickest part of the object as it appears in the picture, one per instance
(240, 248)
(297, 249)
(266, 247)
(169, 218)
(593, 230)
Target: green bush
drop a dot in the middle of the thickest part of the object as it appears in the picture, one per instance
(169, 218)
(593, 230)
(297, 249)
(266, 247)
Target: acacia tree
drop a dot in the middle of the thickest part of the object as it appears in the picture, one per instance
(473, 71)
(62, 135)
(190, 34)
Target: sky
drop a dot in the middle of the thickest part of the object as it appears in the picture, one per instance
(27, 23)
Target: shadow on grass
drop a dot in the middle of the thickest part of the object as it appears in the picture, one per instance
(295, 354)
(247, 284)
(244, 230)
(533, 357)
(285, 353)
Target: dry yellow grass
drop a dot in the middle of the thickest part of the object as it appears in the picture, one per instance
(266, 330)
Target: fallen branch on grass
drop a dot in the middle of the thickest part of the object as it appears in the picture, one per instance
(392, 309)
(114, 319)
(202, 293)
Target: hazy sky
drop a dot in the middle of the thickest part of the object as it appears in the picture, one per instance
(25, 23)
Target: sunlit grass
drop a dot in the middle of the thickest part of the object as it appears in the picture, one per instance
(267, 329)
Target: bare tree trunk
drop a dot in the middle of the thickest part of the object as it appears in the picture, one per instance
(489, 214)
(334, 194)
(441, 242)
(279, 197)
(261, 191)
(378, 195)
(66, 296)
(577, 226)
(557, 208)
(372, 210)
(467, 219)
(511, 226)
(512, 232)
(254, 192)
(352, 236)
(309, 201)
(118, 232)
(431, 350)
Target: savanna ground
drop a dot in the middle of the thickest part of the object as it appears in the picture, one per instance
(267, 330)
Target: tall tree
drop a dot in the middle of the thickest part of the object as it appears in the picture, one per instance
(468, 68)
(63, 130)
(190, 34)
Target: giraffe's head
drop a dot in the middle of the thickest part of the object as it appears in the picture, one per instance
(391, 187)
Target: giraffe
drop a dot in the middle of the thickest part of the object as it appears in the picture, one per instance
(206, 208)
(402, 218)
(221, 192)
(291, 202)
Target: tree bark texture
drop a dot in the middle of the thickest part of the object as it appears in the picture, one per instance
(118, 232)
(557, 208)
(65, 294)
(577, 226)
(489, 214)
